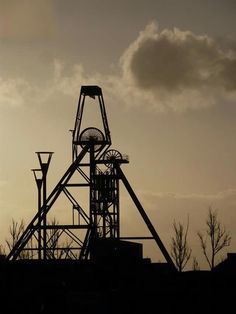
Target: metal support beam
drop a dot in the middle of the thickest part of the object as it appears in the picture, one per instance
(38, 218)
(145, 217)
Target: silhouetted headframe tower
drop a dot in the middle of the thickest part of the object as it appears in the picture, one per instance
(97, 168)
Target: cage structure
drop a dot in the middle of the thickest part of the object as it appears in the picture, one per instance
(99, 170)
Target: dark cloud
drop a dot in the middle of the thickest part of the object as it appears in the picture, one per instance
(176, 60)
(160, 71)
(228, 75)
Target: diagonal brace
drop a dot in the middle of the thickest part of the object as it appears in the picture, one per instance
(144, 216)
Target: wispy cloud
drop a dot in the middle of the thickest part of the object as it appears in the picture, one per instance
(166, 207)
(161, 71)
(178, 206)
(168, 70)
(217, 196)
(13, 92)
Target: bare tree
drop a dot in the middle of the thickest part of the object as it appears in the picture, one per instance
(195, 266)
(216, 235)
(2, 250)
(180, 250)
(15, 230)
(57, 250)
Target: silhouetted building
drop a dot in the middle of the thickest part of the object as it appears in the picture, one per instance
(114, 250)
(228, 265)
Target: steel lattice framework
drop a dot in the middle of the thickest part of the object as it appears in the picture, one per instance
(99, 171)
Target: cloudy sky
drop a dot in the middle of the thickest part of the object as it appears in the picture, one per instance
(168, 73)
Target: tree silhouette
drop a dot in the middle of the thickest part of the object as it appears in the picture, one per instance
(180, 250)
(216, 235)
(15, 230)
(56, 249)
(2, 250)
(195, 265)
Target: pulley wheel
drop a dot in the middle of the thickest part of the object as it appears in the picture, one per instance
(111, 155)
(93, 136)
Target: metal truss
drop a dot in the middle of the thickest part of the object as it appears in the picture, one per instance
(99, 171)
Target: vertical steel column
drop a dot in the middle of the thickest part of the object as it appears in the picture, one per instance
(92, 209)
(39, 180)
(117, 208)
(45, 216)
(44, 161)
(32, 226)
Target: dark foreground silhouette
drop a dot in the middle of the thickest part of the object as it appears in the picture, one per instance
(66, 286)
